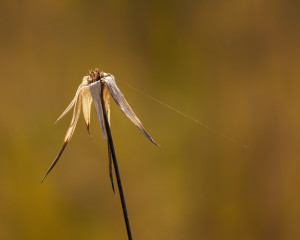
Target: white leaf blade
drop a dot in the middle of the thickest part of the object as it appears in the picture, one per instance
(124, 106)
(95, 90)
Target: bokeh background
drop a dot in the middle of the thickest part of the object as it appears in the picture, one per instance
(233, 65)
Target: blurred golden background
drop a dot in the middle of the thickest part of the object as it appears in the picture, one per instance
(233, 65)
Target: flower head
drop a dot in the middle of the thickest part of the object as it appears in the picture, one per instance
(90, 91)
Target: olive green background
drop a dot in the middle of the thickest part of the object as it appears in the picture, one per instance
(233, 65)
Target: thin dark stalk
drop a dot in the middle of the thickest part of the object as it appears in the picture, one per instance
(113, 154)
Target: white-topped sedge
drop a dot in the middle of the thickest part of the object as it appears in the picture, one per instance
(97, 88)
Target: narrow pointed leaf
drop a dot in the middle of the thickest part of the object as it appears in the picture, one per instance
(86, 106)
(106, 98)
(95, 90)
(81, 86)
(76, 114)
(124, 106)
(55, 160)
(110, 166)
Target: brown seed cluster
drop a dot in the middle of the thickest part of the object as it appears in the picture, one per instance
(95, 75)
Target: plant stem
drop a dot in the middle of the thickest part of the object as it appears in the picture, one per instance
(110, 142)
